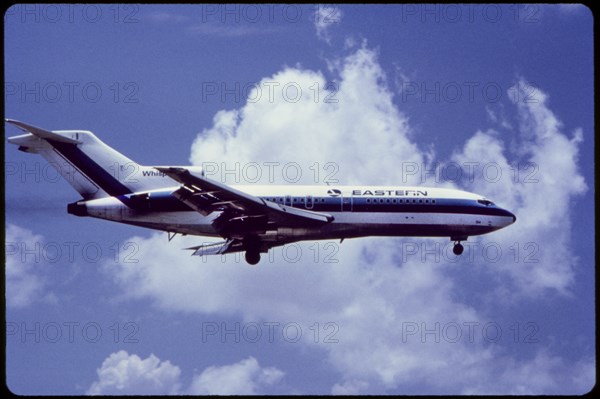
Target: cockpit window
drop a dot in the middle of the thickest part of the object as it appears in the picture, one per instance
(485, 202)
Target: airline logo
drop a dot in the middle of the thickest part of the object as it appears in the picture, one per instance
(334, 192)
(397, 193)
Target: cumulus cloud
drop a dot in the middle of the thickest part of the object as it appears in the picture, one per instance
(538, 184)
(497, 116)
(355, 123)
(382, 304)
(125, 374)
(25, 281)
(324, 17)
(544, 374)
(243, 378)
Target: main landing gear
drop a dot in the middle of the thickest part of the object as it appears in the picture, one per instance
(252, 257)
(252, 246)
(458, 248)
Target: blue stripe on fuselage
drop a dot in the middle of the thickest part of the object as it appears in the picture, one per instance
(163, 201)
(157, 201)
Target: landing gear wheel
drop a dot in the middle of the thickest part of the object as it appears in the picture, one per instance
(458, 249)
(252, 246)
(252, 257)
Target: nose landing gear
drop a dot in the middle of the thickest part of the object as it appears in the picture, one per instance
(458, 248)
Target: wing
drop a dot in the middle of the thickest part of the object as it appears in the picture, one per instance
(241, 213)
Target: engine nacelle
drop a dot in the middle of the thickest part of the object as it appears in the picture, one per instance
(103, 208)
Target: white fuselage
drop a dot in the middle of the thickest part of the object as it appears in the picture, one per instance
(356, 210)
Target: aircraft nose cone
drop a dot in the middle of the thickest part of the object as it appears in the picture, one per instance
(512, 215)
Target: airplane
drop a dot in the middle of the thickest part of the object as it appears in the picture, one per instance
(250, 218)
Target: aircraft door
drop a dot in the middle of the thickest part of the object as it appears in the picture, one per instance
(346, 204)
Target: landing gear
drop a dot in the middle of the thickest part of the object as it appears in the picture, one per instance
(252, 245)
(458, 249)
(252, 257)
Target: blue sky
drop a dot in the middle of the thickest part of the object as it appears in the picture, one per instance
(98, 307)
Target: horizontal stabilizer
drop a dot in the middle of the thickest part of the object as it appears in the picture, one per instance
(41, 133)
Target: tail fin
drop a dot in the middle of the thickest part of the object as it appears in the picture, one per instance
(93, 168)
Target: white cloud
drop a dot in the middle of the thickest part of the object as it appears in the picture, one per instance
(125, 374)
(544, 374)
(498, 116)
(326, 16)
(372, 295)
(356, 126)
(538, 185)
(25, 281)
(243, 378)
